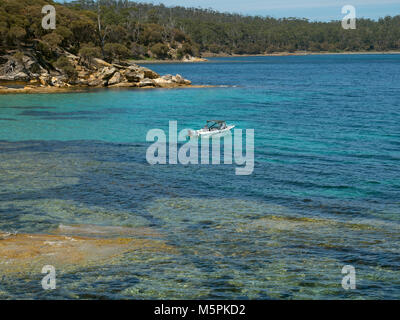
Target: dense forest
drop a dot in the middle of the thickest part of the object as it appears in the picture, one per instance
(119, 29)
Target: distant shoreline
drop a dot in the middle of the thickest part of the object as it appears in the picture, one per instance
(206, 56)
(298, 53)
(159, 61)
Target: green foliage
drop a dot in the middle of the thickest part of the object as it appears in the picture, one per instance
(67, 67)
(208, 30)
(160, 50)
(45, 50)
(187, 49)
(89, 51)
(116, 51)
(53, 39)
(65, 33)
(16, 34)
(18, 56)
(130, 29)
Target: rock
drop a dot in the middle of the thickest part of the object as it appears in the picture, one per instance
(44, 79)
(161, 82)
(90, 230)
(133, 75)
(179, 79)
(107, 72)
(146, 83)
(35, 70)
(82, 82)
(189, 58)
(25, 253)
(23, 69)
(150, 74)
(116, 78)
(83, 74)
(124, 85)
(167, 77)
(101, 63)
(95, 82)
(119, 66)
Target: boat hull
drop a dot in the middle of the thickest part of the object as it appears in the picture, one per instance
(206, 133)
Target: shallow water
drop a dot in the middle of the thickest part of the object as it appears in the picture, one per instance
(325, 191)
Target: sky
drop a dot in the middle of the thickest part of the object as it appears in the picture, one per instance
(320, 10)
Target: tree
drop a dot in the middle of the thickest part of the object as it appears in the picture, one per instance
(88, 52)
(116, 51)
(67, 67)
(102, 34)
(16, 34)
(160, 50)
(53, 39)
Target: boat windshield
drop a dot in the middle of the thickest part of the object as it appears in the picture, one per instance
(216, 125)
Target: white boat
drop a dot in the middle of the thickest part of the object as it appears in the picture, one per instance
(212, 127)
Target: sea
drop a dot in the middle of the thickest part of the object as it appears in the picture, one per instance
(319, 211)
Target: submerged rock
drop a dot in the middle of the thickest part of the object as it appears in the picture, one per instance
(28, 253)
(91, 230)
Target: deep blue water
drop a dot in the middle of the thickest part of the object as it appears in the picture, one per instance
(325, 191)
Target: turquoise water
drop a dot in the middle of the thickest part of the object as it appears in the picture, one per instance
(325, 191)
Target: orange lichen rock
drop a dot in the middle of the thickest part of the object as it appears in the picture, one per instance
(25, 253)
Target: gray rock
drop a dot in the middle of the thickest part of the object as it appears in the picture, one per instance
(23, 69)
(167, 77)
(146, 83)
(108, 72)
(116, 78)
(95, 82)
(150, 74)
(133, 75)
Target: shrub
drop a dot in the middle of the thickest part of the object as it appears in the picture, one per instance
(88, 52)
(53, 39)
(160, 50)
(67, 67)
(116, 51)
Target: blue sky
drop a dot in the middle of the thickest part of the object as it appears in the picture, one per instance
(322, 10)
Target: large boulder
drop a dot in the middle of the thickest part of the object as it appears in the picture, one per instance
(59, 81)
(150, 74)
(133, 75)
(147, 83)
(101, 63)
(13, 70)
(179, 79)
(45, 79)
(23, 68)
(95, 82)
(161, 82)
(107, 72)
(116, 78)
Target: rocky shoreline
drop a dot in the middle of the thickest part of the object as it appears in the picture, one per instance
(28, 73)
